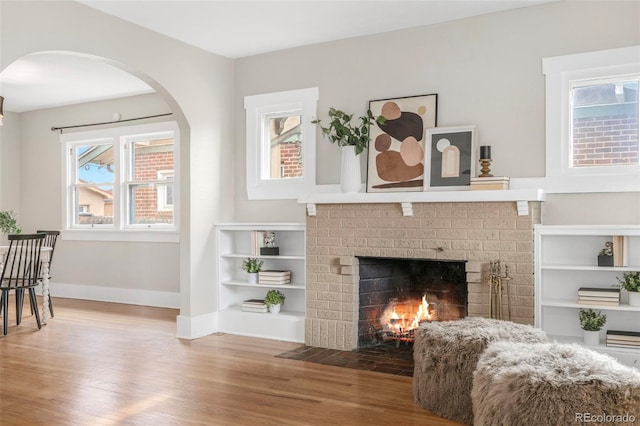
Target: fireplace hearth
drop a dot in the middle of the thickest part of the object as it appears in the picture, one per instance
(396, 295)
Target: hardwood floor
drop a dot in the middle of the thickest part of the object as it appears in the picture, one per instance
(112, 364)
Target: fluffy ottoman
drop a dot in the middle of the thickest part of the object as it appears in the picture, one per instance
(553, 384)
(445, 356)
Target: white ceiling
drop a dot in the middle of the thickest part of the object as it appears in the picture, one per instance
(229, 28)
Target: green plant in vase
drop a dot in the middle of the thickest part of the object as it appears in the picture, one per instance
(630, 281)
(591, 320)
(273, 300)
(252, 265)
(341, 132)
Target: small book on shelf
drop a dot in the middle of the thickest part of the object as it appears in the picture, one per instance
(274, 273)
(619, 251)
(623, 335)
(599, 299)
(254, 305)
(490, 183)
(599, 302)
(599, 292)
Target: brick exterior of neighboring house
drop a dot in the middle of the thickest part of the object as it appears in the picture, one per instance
(291, 159)
(147, 165)
(605, 140)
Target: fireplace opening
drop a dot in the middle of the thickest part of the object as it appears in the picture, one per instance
(396, 295)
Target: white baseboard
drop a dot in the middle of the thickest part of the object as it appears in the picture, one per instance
(160, 299)
(194, 327)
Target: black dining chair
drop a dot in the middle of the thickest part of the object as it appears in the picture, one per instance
(50, 239)
(21, 272)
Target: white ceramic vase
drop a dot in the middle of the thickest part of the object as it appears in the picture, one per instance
(252, 277)
(591, 338)
(350, 170)
(634, 298)
(274, 309)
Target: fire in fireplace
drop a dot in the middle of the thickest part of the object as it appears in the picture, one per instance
(396, 295)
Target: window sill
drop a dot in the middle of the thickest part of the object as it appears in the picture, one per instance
(156, 236)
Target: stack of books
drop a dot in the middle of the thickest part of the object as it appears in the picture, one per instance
(254, 305)
(270, 276)
(490, 183)
(623, 339)
(599, 296)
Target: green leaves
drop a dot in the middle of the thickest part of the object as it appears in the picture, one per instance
(8, 223)
(591, 320)
(341, 132)
(630, 281)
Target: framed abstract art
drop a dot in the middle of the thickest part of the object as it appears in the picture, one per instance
(396, 151)
(450, 158)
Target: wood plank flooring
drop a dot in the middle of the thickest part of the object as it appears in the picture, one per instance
(112, 364)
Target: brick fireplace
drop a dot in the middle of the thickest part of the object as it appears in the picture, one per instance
(473, 232)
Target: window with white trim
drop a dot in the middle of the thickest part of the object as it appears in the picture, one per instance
(122, 179)
(592, 118)
(280, 144)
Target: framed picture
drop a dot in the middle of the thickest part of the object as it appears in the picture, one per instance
(450, 158)
(396, 151)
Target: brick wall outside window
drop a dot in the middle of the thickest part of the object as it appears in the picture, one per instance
(291, 159)
(147, 166)
(605, 141)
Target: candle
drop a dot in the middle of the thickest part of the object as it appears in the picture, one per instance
(485, 152)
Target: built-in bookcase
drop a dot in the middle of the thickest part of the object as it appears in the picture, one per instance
(565, 260)
(235, 243)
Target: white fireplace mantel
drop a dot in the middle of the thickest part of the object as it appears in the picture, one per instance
(406, 199)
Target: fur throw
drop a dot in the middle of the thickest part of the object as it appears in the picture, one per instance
(553, 384)
(445, 357)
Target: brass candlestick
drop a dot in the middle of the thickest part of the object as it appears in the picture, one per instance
(485, 169)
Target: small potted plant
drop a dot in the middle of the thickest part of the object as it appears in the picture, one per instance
(274, 299)
(630, 281)
(591, 323)
(353, 139)
(252, 266)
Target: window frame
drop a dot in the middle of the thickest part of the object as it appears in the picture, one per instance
(121, 138)
(561, 73)
(260, 108)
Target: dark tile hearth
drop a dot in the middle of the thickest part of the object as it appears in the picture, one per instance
(382, 358)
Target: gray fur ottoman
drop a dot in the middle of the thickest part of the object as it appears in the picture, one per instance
(445, 355)
(553, 384)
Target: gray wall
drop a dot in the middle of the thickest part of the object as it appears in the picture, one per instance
(196, 85)
(486, 71)
(123, 265)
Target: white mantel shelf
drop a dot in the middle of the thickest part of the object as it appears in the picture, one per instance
(406, 199)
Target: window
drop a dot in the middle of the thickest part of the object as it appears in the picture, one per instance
(122, 179)
(604, 122)
(592, 121)
(280, 144)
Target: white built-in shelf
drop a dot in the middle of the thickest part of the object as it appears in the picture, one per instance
(292, 286)
(234, 243)
(573, 304)
(406, 199)
(565, 261)
(601, 347)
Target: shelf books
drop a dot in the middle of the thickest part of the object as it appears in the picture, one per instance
(257, 242)
(270, 276)
(619, 251)
(254, 305)
(490, 183)
(623, 339)
(599, 296)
